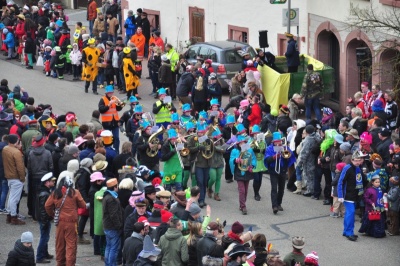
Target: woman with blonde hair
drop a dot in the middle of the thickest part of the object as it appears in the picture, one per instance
(195, 234)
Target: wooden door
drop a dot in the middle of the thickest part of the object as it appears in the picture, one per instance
(196, 24)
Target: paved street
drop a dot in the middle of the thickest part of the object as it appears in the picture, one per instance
(302, 216)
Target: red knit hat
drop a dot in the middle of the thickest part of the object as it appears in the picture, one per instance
(237, 228)
(166, 216)
(312, 259)
(340, 166)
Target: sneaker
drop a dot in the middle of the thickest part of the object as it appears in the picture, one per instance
(3, 211)
(334, 215)
(21, 217)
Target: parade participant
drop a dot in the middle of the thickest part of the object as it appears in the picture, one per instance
(175, 124)
(219, 120)
(216, 165)
(350, 186)
(242, 161)
(292, 54)
(277, 166)
(259, 146)
(373, 198)
(380, 171)
(44, 220)
(59, 63)
(90, 58)
(66, 200)
(172, 166)
(244, 112)
(139, 40)
(143, 147)
(109, 106)
(173, 58)
(111, 153)
(133, 101)
(188, 160)
(163, 110)
(132, 124)
(228, 132)
(186, 115)
(202, 168)
(132, 81)
(203, 118)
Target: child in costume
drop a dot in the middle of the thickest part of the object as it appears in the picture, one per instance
(172, 165)
(186, 115)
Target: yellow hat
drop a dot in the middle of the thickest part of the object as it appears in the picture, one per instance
(91, 41)
(127, 50)
(288, 35)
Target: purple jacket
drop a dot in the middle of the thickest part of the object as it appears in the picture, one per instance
(370, 197)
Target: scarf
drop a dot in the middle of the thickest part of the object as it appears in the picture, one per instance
(359, 181)
(326, 119)
(379, 199)
(113, 193)
(235, 237)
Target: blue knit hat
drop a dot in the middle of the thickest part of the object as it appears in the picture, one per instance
(172, 133)
(138, 109)
(186, 108)
(133, 99)
(230, 119)
(109, 88)
(276, 136)
(174, 117)
(162, 91)
(255, 129)
(203, 114)
(189, 125)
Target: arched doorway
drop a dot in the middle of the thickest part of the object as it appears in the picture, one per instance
(329, 53)
(389, 69)
(359, 67)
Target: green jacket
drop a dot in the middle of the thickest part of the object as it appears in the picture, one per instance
(173, 57)
(98, 212)
(174, 249)
(67, 59)
(18, 105)
(26, 139)
(50, 35)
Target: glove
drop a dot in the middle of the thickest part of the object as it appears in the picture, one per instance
(341, 200)
(88, 205)
(202, 148)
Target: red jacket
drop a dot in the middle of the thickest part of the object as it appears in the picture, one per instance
(20, 29)
(255, 116)
(92, 11)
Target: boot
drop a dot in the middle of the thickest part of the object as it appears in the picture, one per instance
(209, 192)
(298, 186)
(216, 197)
(16, 221)
(8, 221)
(83, 241)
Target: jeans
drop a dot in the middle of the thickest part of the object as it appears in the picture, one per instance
(348, 222)
(277, 188)
(100, 78)
(127, 39)
(3, 193)
(299, 172)
(243, 188)
(11, 52)
(112, 38)
(113, 240)
(314, 104)
(42, 250)
(202, 177)
(15, 189)
(115, 132)
(178, 186)
(91, 23)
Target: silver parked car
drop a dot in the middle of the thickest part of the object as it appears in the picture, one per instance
(226, 60)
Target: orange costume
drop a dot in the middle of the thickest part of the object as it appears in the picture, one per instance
(139, 40)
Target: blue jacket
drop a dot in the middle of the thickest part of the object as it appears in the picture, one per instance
(9, 41)
(292, 54)
(130, 26)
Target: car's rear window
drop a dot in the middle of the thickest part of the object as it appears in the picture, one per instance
(232, 56)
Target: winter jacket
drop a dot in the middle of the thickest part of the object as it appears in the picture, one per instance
(92, 11)
(394, 199)
(292, 54)
(255, 115)
(40, 211)
(82, 182)
(112, 212)
(143, 262)
(132, 247)
(97, 124)
(283, 123)
(132, 218)
(215, 91)
(40, 162)
(21, 255)
(69, 211)
(179, 211)
(154, 63)
(199, 96)
(208, 246)
(391, 111)
(75, 56)
(192, 251)
(383, 149)
(130, 26)
(20, 29)
(131, 128)
(112, 26)
(293, 110)
(185, 84)
(9, 40)
(165, 74)
(29, 46)
(99, 27)
(335, 181)
(268, 122)
(174, 249)
(347, 183)
(13, 163)
(307, 158)
(159, 232)
(119, 161)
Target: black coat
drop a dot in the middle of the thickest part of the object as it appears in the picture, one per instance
(208, 246)
(383, 149)
(119, 161)
(185, 84)
(40, 211)
(82, 183)
(124, 196)
(160, 231)
(130, 221)
(283, 123)
(192, 249)
(143, 262)
(112, 213)
(145, 24)
(132, 247)
(21, 255)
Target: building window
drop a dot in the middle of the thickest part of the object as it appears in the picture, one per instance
(196, 24)
(394, 3)
(240, 34)
(154, 18)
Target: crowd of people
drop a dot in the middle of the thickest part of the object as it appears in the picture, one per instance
(144, 197)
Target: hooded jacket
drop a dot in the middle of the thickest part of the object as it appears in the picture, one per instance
(174, 249)
(41, 214)
(112, 212)
(40, 162)
(132, 247)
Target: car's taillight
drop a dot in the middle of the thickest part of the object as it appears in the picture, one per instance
(221, 69)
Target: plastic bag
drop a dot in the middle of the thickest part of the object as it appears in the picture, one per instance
(39, 61)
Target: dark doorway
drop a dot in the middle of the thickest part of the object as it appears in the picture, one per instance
(389, 69)
(329, 54)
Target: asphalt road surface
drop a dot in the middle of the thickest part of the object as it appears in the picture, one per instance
(301, 216)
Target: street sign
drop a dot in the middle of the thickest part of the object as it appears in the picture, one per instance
(277, 1)
(294, 17)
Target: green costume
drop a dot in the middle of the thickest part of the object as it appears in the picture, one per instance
(172, 169)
